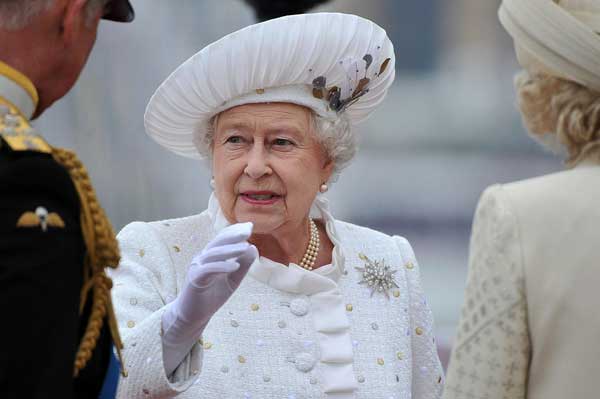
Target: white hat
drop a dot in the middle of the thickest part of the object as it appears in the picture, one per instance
(329, 62)
(557, 37)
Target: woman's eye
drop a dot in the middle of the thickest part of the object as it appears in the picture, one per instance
(234, 140)
(282, 142)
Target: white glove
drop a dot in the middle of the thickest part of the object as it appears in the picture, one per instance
(214, 274)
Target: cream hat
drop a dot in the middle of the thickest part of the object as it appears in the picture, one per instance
(329, 62)
(557, 37)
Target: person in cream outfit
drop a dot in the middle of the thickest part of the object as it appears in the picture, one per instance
(265, 294)
(530, 326)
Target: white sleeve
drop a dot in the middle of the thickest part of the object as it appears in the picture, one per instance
(427, 372)
(491, 351)
(144, 283)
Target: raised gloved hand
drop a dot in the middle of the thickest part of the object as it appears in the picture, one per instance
(213, 276)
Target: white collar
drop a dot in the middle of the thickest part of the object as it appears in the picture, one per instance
(293, 278)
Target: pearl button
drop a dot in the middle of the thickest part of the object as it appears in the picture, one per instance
(299, 307)
(133, 301)
(131, 324)
(313, 380)
(304, 362)
(281, 324)
(361, 379)
(266, 378)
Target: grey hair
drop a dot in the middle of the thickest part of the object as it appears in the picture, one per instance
(335, 135)
(18, 14)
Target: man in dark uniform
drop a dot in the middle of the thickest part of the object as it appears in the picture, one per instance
(57, 319)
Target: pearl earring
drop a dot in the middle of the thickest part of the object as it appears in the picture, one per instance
(324, 187)
(212, 183)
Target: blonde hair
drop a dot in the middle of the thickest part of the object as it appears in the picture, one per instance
(562, 114)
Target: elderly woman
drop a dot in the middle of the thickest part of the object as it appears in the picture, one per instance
(265, 294)
(530, 324)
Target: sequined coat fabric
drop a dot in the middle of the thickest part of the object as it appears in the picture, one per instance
(529, 325)
(286, 332)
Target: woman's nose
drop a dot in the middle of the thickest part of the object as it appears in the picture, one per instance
(258, 165)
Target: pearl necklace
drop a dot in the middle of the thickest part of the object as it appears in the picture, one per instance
(310, 256)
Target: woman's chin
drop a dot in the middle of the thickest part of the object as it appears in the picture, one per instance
(262, 224)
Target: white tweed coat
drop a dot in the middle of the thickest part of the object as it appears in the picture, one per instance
(286, 332)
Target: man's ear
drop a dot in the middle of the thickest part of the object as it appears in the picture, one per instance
(74, 19)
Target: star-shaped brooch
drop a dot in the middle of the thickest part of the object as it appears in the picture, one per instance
(377, 275)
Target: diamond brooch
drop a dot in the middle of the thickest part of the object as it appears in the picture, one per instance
(377, 275)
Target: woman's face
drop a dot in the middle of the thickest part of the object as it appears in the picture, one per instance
(268, 165)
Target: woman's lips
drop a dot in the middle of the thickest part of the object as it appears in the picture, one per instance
(260, 197)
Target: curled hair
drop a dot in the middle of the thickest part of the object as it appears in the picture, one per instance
(562, 114)
(335, 135)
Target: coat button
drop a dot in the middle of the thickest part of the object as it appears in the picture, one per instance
(304, 362)
(299, 306)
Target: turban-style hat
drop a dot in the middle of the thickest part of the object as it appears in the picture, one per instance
(557, 37)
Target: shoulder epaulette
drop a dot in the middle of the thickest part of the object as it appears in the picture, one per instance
(17, 134)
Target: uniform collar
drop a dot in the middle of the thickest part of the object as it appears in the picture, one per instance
(18, 90)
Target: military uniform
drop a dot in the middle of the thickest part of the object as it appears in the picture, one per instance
(42, 253)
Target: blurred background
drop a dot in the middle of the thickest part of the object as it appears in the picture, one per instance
(448, 128)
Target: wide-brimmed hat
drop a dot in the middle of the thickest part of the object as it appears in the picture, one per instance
(332, 63)
(557, 37)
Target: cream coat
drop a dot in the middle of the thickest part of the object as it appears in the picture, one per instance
(286, 332)
(530, 324)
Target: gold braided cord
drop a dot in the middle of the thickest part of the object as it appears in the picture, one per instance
(102, 251)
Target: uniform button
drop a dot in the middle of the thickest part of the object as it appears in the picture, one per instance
(304, 362)
(11, 121)
(299, 307)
